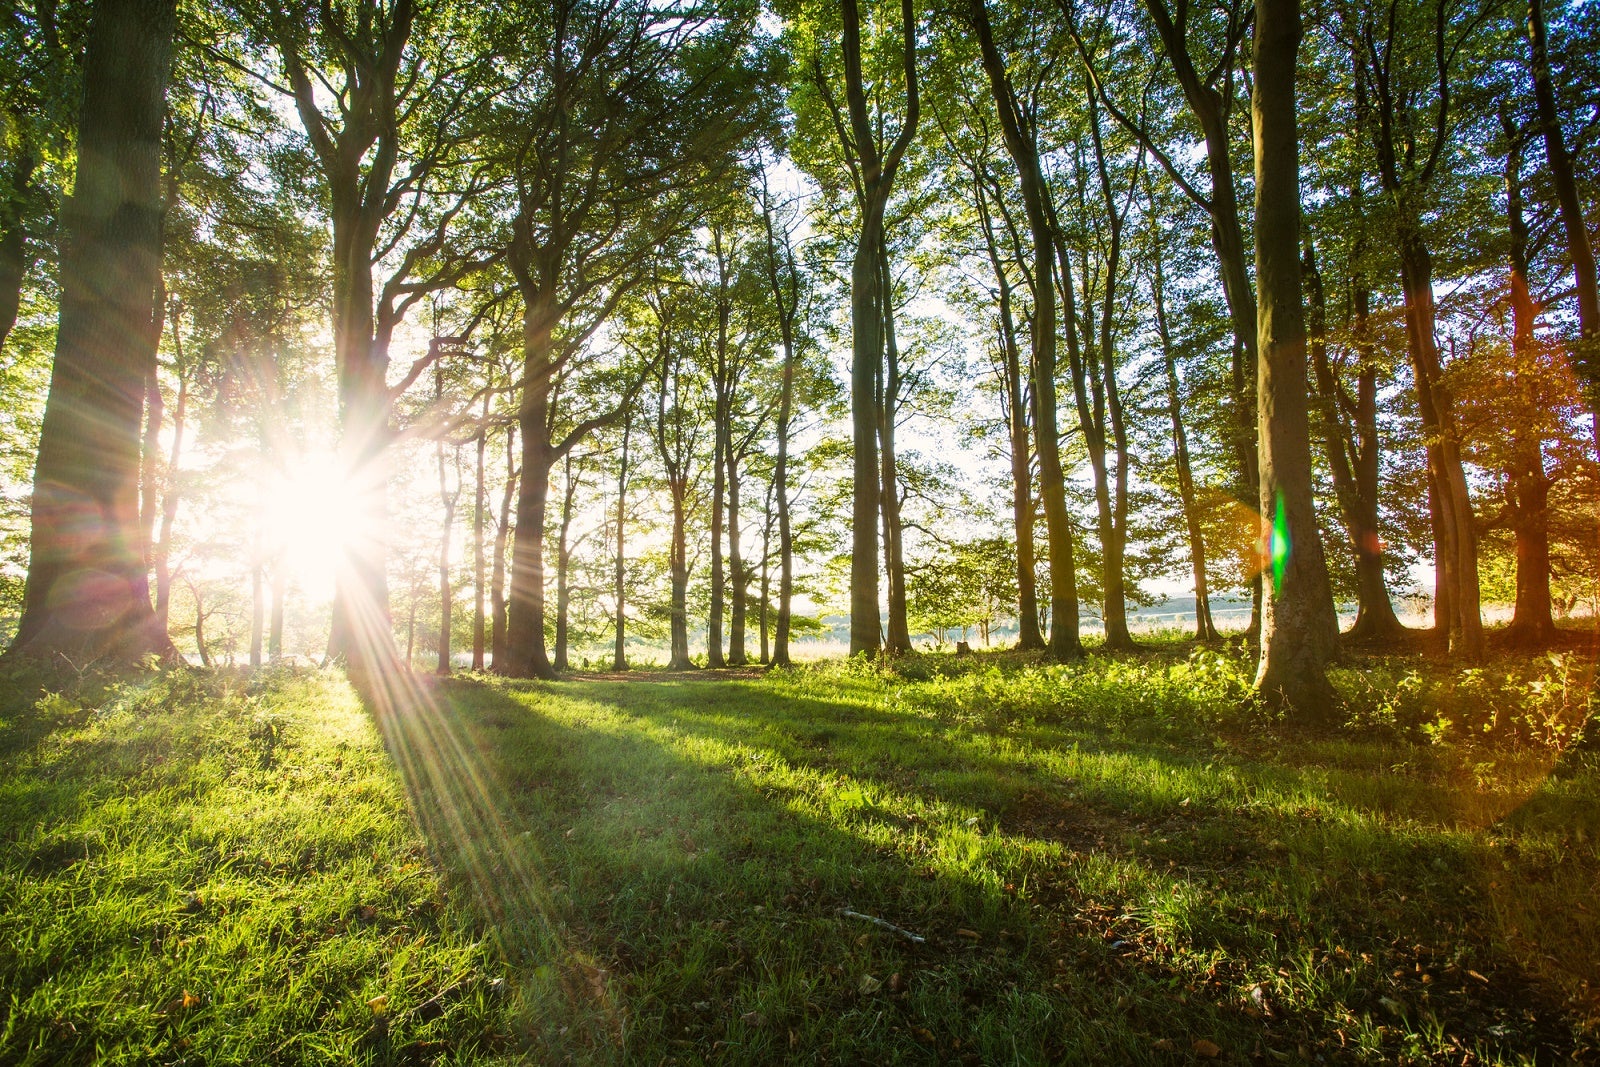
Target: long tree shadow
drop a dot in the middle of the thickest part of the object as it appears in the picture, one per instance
(664, 868)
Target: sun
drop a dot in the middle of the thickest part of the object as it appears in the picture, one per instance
(315, 514)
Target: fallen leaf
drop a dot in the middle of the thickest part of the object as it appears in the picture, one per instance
(869, 985)
(970, 935)
(922, 1034)
(753, 1019)
(1208, 1049)
(897, 984)
(379, 1004)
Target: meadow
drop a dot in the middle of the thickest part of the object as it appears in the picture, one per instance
(958, 860)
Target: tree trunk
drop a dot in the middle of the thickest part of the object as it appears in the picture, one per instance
(619, 658)
(170, 491)
(1205, 627)
(680, 578)
(1528, 491)
(766, 578)
(15, 251)
(897, 637)
(479, 505)
(867, 313)
(786, 299)
(258, 606)
(1586, 353)
(446, 593)
(1352, 463)
(1023, 148)
(87, 589)
(564, 567)
(719, 579)
(280, 582)
(1028, 636)
(526, 653)
(498, 609)
(738, 592)
(1299, 631)
(1114, 519)
(1457, 560)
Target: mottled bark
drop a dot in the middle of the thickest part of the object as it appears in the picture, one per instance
(1299, 629)
(87, 589)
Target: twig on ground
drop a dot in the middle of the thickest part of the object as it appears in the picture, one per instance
(875, 921)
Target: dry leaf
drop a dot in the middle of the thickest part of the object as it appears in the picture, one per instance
(1208, 1049)
(753, 1019)
(379, 1004)
(971, 935)
(869, 985)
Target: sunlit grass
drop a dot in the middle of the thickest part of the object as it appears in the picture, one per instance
(1114, 862)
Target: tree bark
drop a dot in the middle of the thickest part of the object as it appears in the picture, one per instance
(876, 178)
(449, 498)
(564, 567)
(786, 299)
(897, 635)
(739, 580)
(1113, 498)
(1205, 627)
(619, 658)
(15, 250)
(87, 589)
(479, 506)
(526, 653)
(1586, 353)
(1528, 489)
(1352, 455)
(1022, 146)
(1017, 405)
(1299, 632)
(498, 608)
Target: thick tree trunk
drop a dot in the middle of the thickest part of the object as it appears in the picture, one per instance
(866, 366)
(619, 658)
(87, 590)
(498, 644)
(1354, 486)
(1300, 631)
(526, 652)
(1205, 627)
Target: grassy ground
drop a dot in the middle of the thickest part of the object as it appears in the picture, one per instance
(1117, 862)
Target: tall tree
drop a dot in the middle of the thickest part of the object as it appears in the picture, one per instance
(1299, 630)
(87, 594)
(382, 106)
(873, 154)
(1020, 132)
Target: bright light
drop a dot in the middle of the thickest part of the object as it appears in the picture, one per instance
(313, 515)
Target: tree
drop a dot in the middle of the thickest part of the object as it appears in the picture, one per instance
(86, 595)
(1299, 630)
(1020, 133)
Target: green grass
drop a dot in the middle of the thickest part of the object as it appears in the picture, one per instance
(1120, 861)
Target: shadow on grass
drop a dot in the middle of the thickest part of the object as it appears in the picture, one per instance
(663, 866)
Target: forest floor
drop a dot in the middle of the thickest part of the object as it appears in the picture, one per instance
(962, 861)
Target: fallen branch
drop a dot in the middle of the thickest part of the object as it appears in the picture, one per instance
(875, 921)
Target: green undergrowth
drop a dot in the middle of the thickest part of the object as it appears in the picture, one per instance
(1124, 860)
